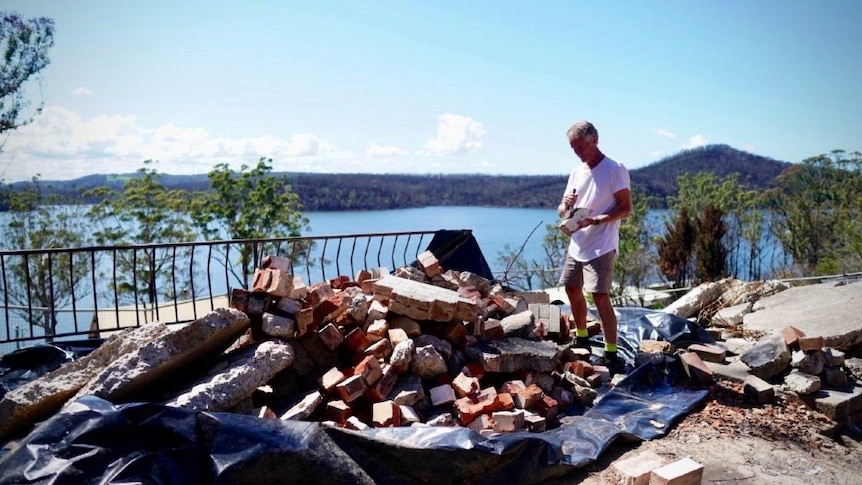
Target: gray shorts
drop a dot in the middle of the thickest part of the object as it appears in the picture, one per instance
(596, 276)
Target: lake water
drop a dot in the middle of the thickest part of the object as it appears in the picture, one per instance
(492, 227)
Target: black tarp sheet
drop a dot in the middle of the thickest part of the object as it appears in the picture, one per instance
(94, 441)
(458, 250)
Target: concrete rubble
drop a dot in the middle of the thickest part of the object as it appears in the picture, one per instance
(433, 347)
(778, 338)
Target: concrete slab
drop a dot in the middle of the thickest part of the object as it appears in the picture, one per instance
(830, 310)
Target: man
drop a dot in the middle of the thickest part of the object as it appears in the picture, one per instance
(601, 185)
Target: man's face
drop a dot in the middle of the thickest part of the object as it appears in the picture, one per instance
(584, 147)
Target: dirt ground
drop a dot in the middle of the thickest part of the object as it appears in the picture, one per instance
(741, 443)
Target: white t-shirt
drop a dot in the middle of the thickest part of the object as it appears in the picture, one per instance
(595, 189)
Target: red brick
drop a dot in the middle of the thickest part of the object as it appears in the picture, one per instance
(330, 379)
(325, 311)
(547, 407)
(483, 402)
(339, 281)
(305, 321)
(367, 285)
(513, 386)
(464, 386)
(429, 264)
(808, 344)
(318, 293)
(504, 401)
(454, 333)
(791, 335)
(380, 349)
(385, 414)
(442, 395)
(581, 368)
(708, 353)
(369, 369)
(331, 336)
(695, 368)
(356, 340)
(493, 330)
(239, 299)
(474, 369)
(351, 388)
(383, 387)
(527, 398)
(338, 411)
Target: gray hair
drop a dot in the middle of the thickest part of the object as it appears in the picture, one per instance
(581, 129)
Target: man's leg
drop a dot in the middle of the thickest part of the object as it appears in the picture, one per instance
(598, 280)
(572, 280)
(579, 306)
(608, 317)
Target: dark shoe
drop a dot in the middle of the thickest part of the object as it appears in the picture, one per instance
(581, 343)
(613, 362)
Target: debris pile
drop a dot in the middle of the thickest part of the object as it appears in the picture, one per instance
(421, 346)
(786, 367)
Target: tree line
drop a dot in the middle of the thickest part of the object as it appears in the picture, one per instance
(345, 192)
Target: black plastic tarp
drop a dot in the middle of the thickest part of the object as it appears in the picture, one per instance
(458, 250)
(94, 441)
(27, 364)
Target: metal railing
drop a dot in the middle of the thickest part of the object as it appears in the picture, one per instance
(48, 294)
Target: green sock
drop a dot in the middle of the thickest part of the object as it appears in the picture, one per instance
(581, 332)
(610, 347)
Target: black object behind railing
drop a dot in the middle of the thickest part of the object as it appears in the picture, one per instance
(47, 294)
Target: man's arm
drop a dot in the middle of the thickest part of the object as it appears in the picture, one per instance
(621, 209)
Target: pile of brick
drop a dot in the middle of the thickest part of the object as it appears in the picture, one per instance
(421, 347)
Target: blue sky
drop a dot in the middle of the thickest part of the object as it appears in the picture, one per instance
(433, 87)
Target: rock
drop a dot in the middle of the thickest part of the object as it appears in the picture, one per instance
(732, 315)
(808, 362)
(801, 383)
(427, 362)
(514, 354)
(519, 325)
(696, 299)
(854, 365)
(402, 355)
(768, 357)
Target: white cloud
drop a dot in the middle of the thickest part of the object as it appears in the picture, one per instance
(62, 145)
(82, 91)
(455, 134)
(663, 133)
(383, 151)
(696, 141)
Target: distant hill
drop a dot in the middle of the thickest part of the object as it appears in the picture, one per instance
(340, 192)
(659, 179)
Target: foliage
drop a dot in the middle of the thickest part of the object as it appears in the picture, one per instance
(144, 212)
(709, 252)
(740, 209)
(36, 285)
(634, 263)
(816, 213)
(675, 249)
(24, 45)
(251, 204)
